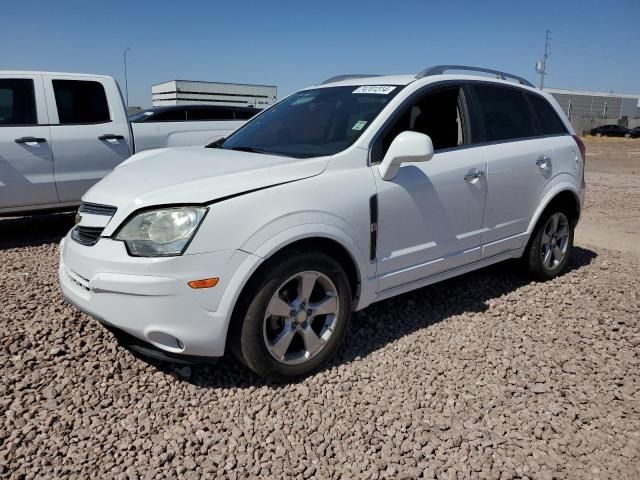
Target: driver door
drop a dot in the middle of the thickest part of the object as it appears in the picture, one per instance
(430, 215)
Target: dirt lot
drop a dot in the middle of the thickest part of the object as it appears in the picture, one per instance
(612, 216)
(488, 375)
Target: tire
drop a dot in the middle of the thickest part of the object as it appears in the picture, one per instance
(598, 134)
(549, 248)
(279, 329)
(627, 135)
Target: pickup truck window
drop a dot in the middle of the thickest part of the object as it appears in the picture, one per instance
(81, 101)
(204, 114)
(171, 115)
(17, 102)
(315, 122)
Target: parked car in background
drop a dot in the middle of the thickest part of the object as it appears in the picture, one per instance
(62, 132)
(615, 131)
(343, 194)
(186, 125)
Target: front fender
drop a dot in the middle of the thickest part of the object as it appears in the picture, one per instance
(293, 234)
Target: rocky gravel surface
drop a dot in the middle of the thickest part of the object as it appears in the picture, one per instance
(484, 376)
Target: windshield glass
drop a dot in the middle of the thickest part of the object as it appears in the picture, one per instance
(313, 123)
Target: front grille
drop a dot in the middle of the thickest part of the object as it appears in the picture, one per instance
(86, 235)
(96, 209)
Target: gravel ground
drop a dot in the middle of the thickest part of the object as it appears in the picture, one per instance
(487, 375)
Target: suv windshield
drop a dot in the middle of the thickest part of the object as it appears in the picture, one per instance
(313, 123)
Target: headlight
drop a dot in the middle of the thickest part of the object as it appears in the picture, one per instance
(162, 232)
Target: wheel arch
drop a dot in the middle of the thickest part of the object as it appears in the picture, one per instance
(565, 195)
(326, 239)
(273, 250)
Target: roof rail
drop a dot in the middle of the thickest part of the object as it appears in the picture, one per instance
(440, 69)
(339, 78)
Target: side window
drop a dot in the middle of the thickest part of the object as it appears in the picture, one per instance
(548, 118)
(438, 114)
(81, 101)
(203, 114)
(505, 113)
(171, 115)
(246, 114)
(17, 102)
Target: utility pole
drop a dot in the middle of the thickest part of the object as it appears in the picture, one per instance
(541, 66)
(126, 81)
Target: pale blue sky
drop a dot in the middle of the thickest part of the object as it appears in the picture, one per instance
(596, 44)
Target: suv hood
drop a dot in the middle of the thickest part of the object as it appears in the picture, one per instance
(194, 175)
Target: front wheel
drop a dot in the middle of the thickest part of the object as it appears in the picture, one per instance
(292, 317)
(598, 134)
(550, 246)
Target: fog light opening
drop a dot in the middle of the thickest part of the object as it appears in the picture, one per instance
(166, 341)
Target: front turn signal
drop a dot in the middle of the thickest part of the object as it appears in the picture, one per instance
(204, 283)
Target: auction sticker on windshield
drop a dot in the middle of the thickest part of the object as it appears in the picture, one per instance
(377, 89)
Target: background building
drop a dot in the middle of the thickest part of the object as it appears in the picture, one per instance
(188, 92)
(591, 109)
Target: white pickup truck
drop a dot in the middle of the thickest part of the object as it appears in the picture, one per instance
(62, 132)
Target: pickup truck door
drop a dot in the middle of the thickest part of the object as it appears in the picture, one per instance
(90, 131)
(26, 161)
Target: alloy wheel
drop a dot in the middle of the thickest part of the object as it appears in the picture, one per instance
(555, 241)
(301, 317)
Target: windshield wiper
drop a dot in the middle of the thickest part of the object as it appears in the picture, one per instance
(258, 150)
(248, 149)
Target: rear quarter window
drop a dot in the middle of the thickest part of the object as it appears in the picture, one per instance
(548, 119)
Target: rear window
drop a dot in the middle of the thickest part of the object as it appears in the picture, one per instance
(81, 101)
(172, 115)
(246, 114)
(548, 118)
(505, 113)
(17, 102)
(204, 114)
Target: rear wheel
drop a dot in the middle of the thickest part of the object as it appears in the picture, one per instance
(598, 134)
(550, 247)
(627, 135)
(293, 316)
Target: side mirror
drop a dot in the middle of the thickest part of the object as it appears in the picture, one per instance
(407, 147)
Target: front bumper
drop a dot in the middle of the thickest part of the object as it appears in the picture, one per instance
(149, 299)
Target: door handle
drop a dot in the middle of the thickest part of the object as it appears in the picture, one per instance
(543, 163)
(30, 140)
(472, 176)
(111, 136)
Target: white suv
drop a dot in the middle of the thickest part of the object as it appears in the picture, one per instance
(341, 195)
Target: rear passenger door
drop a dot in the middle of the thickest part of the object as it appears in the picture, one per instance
(26, 160)
(89, 131)
(519, 164)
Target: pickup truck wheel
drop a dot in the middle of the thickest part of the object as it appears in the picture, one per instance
(295, 318)
(550, 247)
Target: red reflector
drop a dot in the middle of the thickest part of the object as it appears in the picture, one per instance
(204, 283)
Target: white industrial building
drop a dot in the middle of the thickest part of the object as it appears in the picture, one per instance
(189, 92)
